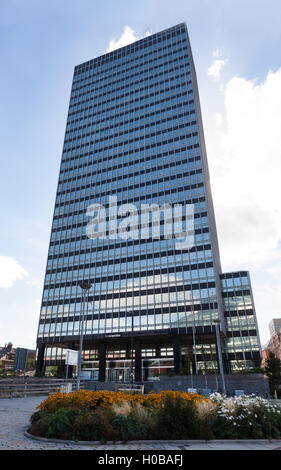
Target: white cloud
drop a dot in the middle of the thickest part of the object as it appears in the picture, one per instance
(217, 53)
(244, 150)
(34, 283)
(10, 271)
(127, 37)
(246, 160)
(219, 119)
(215, 69)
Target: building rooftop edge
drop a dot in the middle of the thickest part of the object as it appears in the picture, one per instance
(229, 273)
(91, 61)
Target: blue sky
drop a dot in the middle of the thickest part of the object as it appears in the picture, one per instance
(236, 47)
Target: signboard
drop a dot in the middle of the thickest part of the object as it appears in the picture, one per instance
(85, 374)
(71, 357)
(20, 359)
(96, 375)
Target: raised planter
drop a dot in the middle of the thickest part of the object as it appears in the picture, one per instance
(179, 442)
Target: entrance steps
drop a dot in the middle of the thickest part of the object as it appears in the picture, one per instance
(113, 386)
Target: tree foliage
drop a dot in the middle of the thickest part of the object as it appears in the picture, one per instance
(273, 371)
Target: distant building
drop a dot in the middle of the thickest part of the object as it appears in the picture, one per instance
(265, 353)
(7, 358)
(274, 326)
(275, 337)
(275, 343)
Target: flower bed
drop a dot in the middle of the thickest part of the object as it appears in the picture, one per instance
(104, 415)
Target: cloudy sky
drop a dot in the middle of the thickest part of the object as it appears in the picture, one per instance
(236, 46)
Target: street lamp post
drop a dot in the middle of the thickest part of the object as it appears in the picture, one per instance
(85, 286)
(194, 348)
(193, 335)
(132, 346)
(217, 322)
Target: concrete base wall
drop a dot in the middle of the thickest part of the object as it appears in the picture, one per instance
(95, 385)
(251, 384)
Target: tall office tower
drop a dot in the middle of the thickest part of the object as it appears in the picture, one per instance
(134, 136)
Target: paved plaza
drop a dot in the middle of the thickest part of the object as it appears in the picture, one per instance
(14, 419)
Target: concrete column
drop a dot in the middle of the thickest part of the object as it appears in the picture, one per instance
(40, 358)
(102, 361)
(158, 351)
(217, 358)
(138, 371)
(61, 372)
(177, 354)
(128, 351)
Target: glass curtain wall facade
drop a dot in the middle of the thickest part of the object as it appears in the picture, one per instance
(242, 346)
(134, 132)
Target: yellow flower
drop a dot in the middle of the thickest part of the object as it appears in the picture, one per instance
(93, 399)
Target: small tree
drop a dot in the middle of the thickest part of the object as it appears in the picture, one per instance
(273, 371)
(30, 364)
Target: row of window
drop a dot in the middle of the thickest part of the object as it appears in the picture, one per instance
(133, 82)
(141, 171)
(137, 261)
(197, 274)
(135, 98)
(125, 250)
(81, 207)
(192, 293)
(153, 127)
(135, 133)
(81, 240)
(121, 161)
(136, 84)
(137, 116)
(135, 144)
(191, 180)
(157, 321)
(96, 173)
(105, 112)
(129, 54)
(129, 125)
(159, 283)
(155, 192)
(132, 53)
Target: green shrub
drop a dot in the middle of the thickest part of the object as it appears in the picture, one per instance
(177, 418)
(61, 422)
(73, 424)
(39, 423)
(130, 428)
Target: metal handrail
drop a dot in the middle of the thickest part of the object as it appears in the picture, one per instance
(12, 388)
